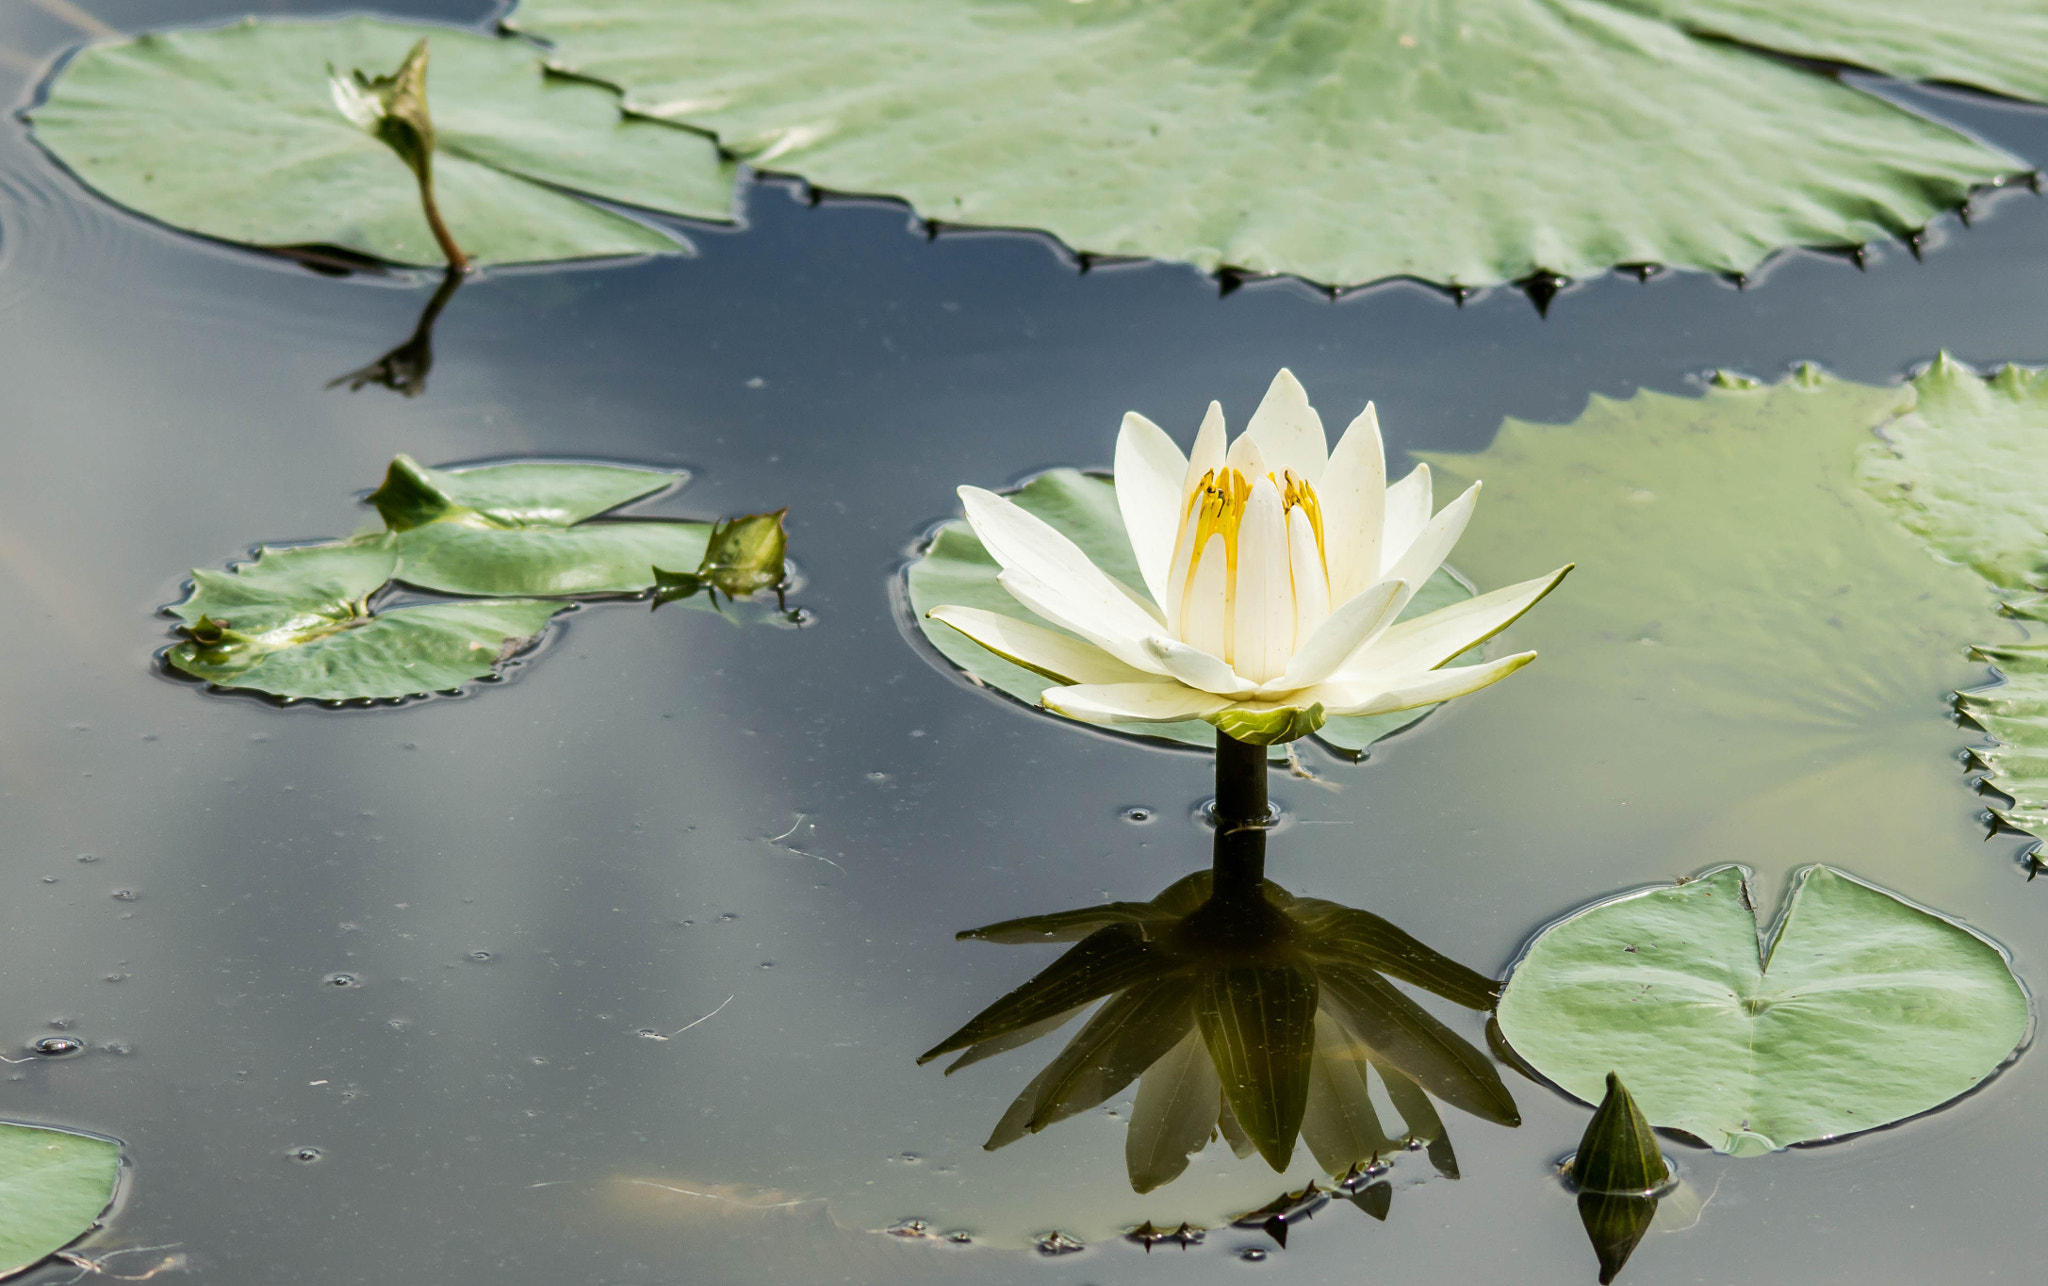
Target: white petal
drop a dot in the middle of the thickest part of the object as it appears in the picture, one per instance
(1209, 450)
(1177, 575)
(1059, 608)
(1353, 492)
(1059, 657)
(1428, 641)
(1244, 456)
(1149, 471)
(1311, 584)
(1288, 431)
(1429, 549)
(1347, 629)
(1262, 611)
(1022, 542)
(1142, 599)
(1405, 692)
(1131, 702)
(1408, 509)
(1204, 618)
(1194, 667)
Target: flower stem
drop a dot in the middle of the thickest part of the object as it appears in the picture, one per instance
(1239, 864)
(457, 261)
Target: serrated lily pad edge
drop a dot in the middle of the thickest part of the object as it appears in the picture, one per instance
(1767, 939)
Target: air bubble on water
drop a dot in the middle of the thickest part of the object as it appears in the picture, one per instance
(1253, 1254)
(117, 977)
(767, 964)
(342, 980)
(125, 895)
(306, 1154)
(960, 1237)
(878, 777)
(118, 1047)
(481, 957)
(58, 1046)
(1138, 813)
(49, 879)
(728, 917)
(538, 1061)
(88, 857)
(398, 1024)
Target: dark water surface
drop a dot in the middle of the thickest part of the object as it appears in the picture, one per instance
(419, 946)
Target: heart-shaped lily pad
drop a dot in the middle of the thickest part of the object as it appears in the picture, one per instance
(234, 133)
(955, 568)
(53, 1187)
(1862, 1010)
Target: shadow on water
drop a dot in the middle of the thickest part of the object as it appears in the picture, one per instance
(404, 369)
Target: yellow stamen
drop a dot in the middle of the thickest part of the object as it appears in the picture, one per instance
(1295, 491)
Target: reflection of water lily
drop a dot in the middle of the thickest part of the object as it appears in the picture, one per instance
(1276, 570)
(1254, 1013)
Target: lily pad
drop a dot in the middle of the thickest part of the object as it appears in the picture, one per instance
(54, 1185)
(297, 623)
(955, 568)
(1964, 473)
(233, 133)
(2015, 713)
(1862, 1010)
(1339, 140)
(519, 529)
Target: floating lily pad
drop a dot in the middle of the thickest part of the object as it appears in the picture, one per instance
(1862, 1010)
(519, 529)
(1340, 140)
(956, 569)
(54, 1185)
(297, 623)
(1964, 472)
(233, 132)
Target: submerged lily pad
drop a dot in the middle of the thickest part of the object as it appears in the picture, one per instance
(1965, 472)
(1339, 140)
(297, 623)
(1862, 1010)
(234, 133)
(956, 569)
(53, 1187)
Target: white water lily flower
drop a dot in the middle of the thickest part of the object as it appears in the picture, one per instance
(1275, 570)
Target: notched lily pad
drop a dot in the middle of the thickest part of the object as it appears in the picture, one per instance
(1859, 1010)
(235, 133)
(1340, 140)
(54, 1185)
(955, 568)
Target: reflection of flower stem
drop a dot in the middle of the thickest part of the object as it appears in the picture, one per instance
(404, 369)
(1241, 815)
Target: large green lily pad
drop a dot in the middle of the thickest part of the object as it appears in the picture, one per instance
(233, 133)
(1862, 1010)
(297, 623)
(956, 569)
(1340, 140)
(53, 1187)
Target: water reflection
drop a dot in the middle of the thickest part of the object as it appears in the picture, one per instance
(1246, 1014)
(404, 369)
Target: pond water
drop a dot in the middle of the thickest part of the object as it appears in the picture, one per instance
(409, 991)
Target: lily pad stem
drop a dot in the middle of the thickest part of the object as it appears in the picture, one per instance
(1241, 816)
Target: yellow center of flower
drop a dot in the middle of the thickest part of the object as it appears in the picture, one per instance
(1216, 507)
